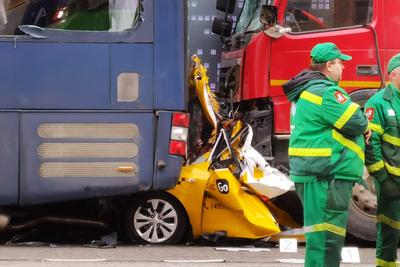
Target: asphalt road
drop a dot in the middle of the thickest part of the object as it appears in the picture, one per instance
(149, 256)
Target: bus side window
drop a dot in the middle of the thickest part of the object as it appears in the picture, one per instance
(86, 15)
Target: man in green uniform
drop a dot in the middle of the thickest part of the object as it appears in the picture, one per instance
(326, 152)
(383, 163)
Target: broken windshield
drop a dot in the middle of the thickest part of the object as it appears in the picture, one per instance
(249, 19)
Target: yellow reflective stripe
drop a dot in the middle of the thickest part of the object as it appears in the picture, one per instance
(349, 144)
(346, 115)
(375, 127)
(391, 139)
(383, 263)
(311, 98)
(360, 84)
(392, 170)
(376, 166)
(310, 152)
(326, 227)
(355, 84)
(278, 82)
(386, 220)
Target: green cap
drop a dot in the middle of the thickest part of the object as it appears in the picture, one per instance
(325, 52)
(394, 62)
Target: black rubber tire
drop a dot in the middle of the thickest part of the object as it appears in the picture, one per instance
(362, 96)
(360, 224)
(138, 206)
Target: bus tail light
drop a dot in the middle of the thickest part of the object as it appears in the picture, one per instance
(179, 134)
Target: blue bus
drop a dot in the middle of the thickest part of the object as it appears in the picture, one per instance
(92, 107)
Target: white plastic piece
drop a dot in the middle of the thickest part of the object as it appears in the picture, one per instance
(273, 182)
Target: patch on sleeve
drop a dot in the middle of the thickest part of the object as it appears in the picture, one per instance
(391, 112)
(369, 112)
(340, 97)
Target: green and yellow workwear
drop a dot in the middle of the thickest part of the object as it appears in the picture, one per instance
(326, 210)
(326, 157)
(326, 130)
(383, 163)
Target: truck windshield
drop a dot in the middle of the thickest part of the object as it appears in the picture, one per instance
(86, 15)
(310, 15)
(249, 19)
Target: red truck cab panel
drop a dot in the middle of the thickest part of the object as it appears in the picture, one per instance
(290, 54)
(256, 67)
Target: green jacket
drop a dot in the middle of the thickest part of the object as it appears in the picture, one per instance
(383, 152)
(327, 130)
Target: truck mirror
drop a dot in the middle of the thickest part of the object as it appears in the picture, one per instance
(268, 15)
(227, 6)
(222, 27)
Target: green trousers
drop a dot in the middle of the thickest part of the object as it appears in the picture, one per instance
(325, 204)
(388, 222)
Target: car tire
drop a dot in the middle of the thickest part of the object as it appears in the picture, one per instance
(156, 218)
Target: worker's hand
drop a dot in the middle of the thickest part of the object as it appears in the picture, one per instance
(367, 136)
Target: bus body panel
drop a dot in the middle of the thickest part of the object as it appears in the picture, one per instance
(170, 91)
(77, 155)
(9, 158)
(54, 75)
(165, 165)
(87, 114)
(128, 59)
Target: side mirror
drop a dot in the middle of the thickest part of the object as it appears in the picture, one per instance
(268, 15)
(227, 6)
(222, 27)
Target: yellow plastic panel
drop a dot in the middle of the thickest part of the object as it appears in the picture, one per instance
(238, 199)
(190, 191)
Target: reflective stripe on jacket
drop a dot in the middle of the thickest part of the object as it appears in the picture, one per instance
(326, 136)
(383, 152)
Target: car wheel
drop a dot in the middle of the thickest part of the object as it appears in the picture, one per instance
(156, 219)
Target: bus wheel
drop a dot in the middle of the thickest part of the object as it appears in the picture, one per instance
(157, 219)
(362, 210)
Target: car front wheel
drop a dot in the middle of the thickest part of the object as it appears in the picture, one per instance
(157, 219)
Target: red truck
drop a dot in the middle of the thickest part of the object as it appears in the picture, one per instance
(271, 43)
